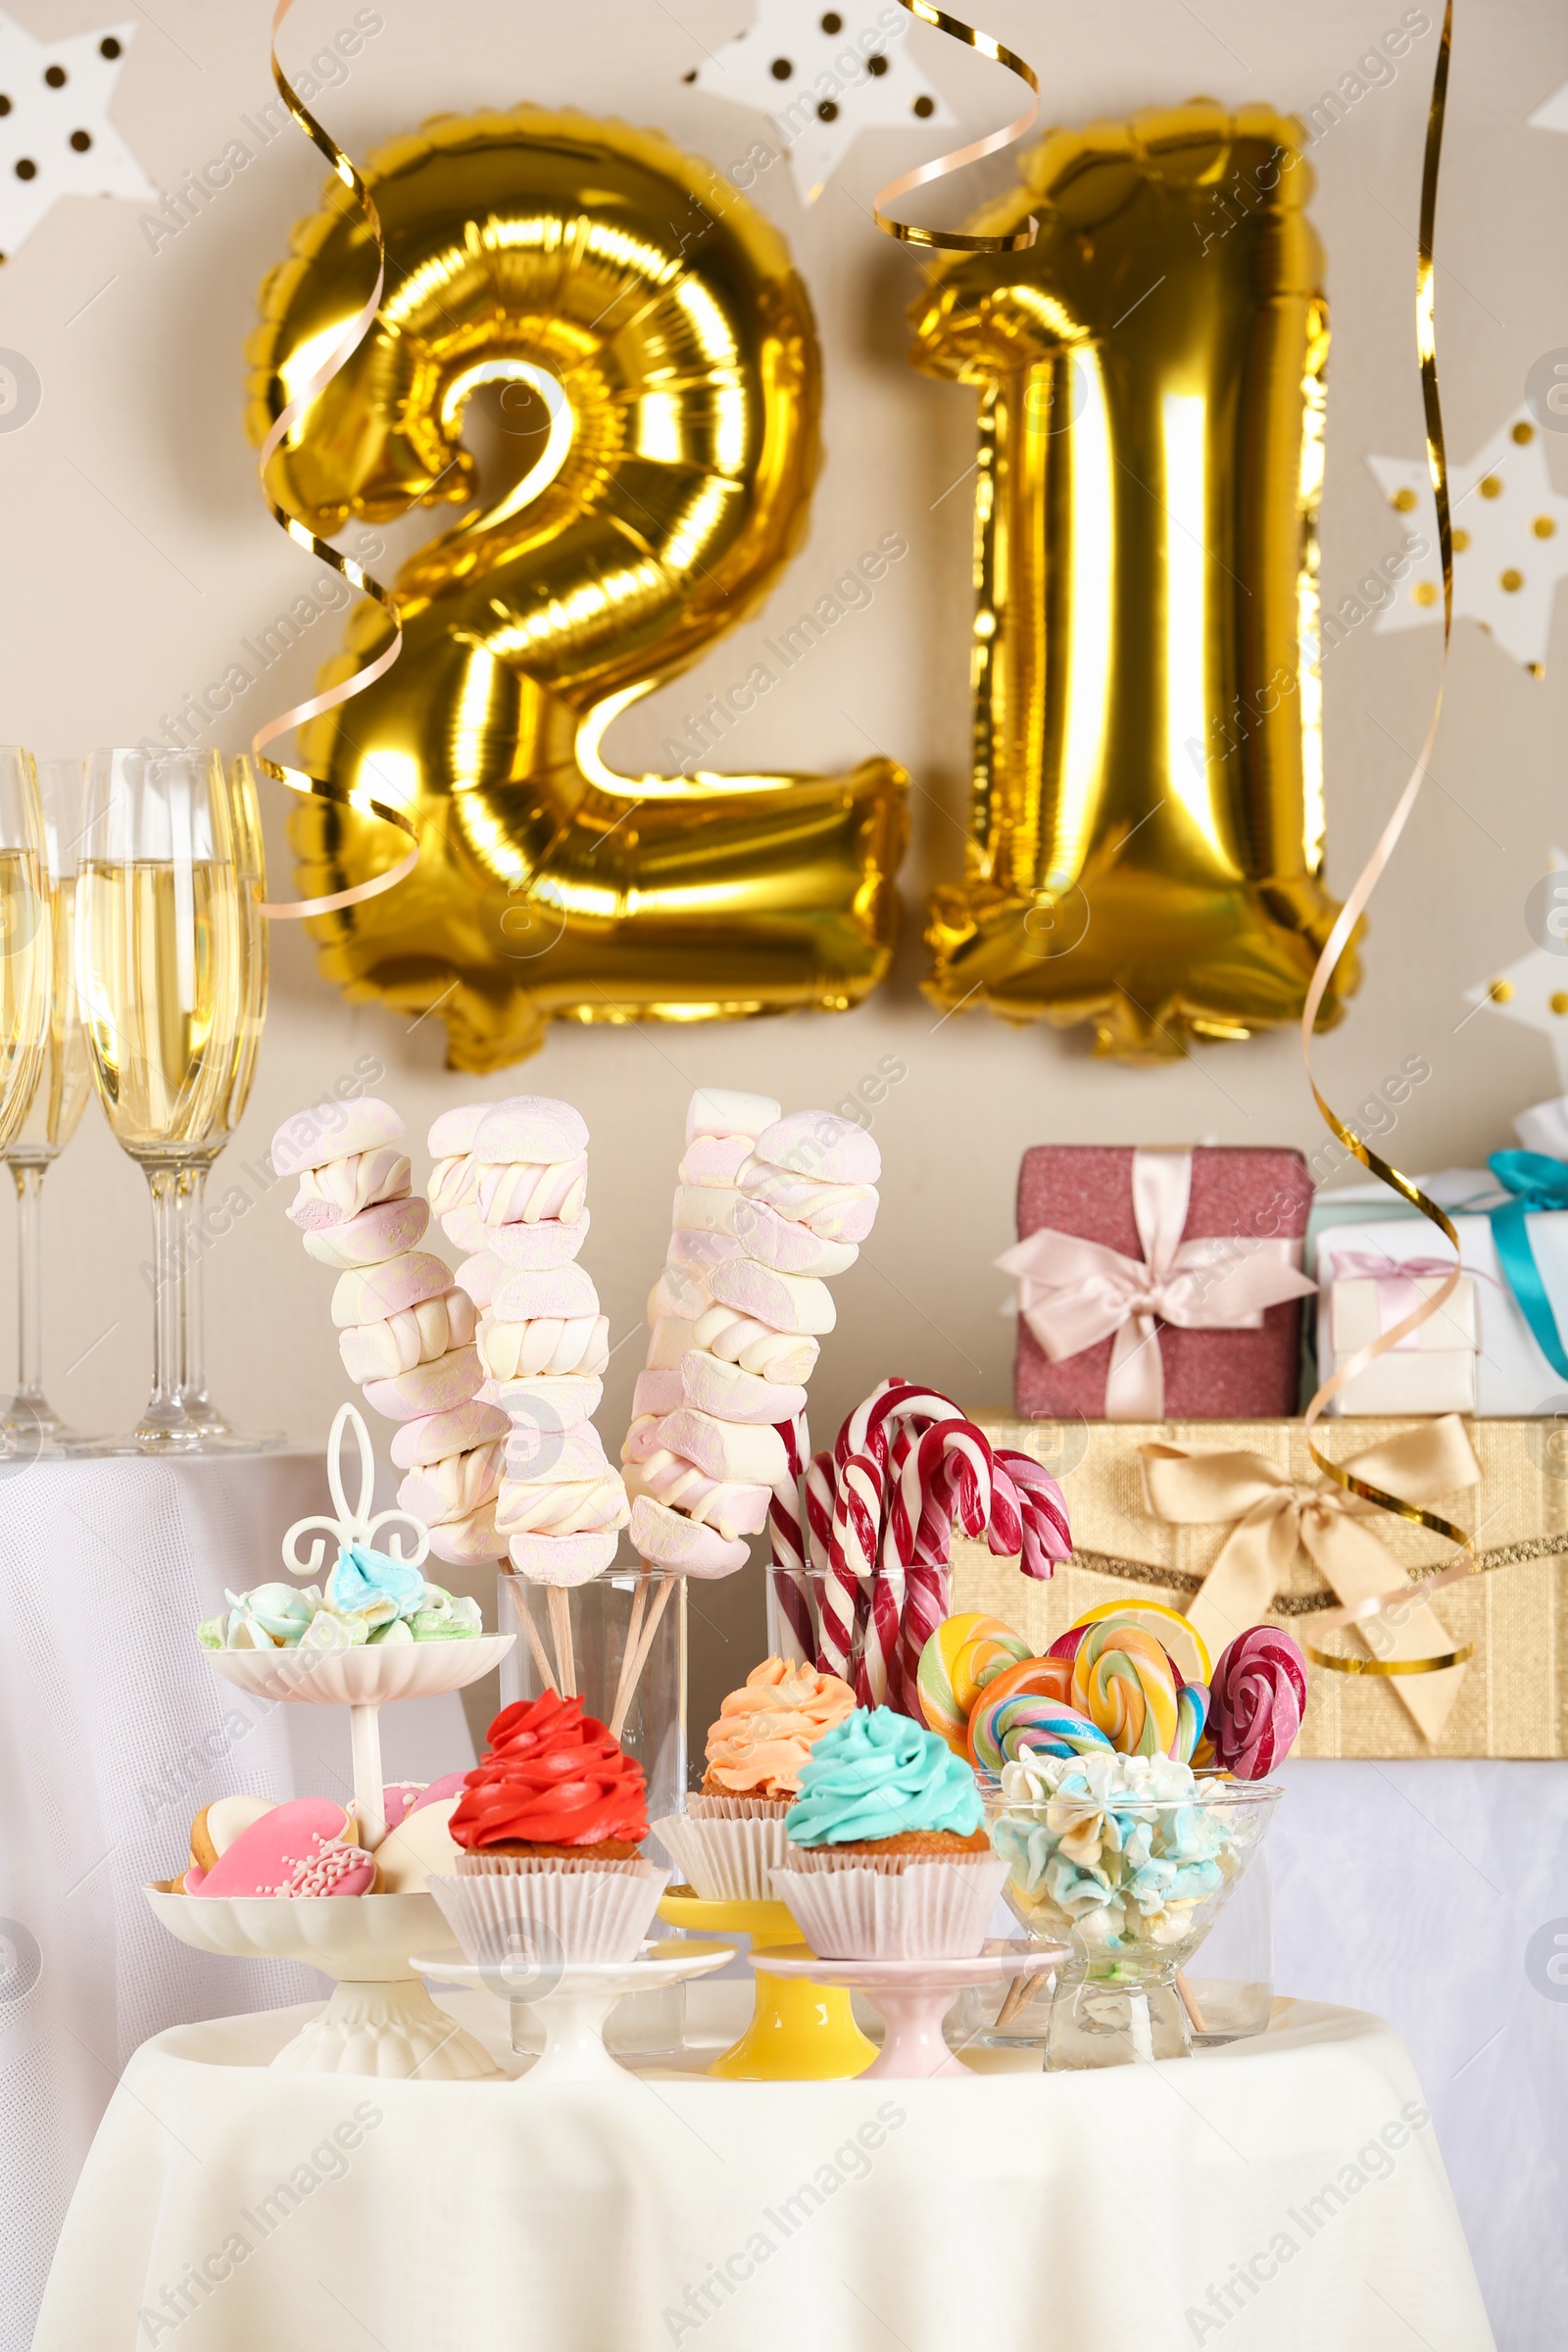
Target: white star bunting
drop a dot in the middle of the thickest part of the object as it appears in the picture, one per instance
(1535, 991)
(1510, 541)
(823, 75)
(56, 139)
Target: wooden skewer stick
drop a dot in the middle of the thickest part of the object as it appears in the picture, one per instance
(644, 1645)
(1020, 1992)
(639, 1602)
(534, 1643)
(561, 1635)
(1190, 2004)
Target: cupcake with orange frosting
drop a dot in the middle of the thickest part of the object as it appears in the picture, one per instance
(731, 1835)
(549, 1830)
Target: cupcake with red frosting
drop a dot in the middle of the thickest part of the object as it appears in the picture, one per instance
(549, 1830)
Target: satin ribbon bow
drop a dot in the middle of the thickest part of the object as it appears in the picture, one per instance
(1074, 1293)
(1536, 1183)
(1273, 1515)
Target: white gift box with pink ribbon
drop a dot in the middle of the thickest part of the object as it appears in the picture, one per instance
(1431, 1370)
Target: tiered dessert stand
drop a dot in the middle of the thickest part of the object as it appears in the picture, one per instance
(381, 2020)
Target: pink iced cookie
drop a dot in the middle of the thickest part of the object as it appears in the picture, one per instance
(714, 1159)
(391, 1229)
(433, 1388)
(399, 1797)
(339, 1869)
(369, 1294)
(450, 1783)
(748, 1452)
(665, 1540)
(796, 1304)
(454, 1430)
(726, 1110)
(565, 1293)
(819, 1145)
(713, 1386)
(330, 1131)
(563, 1560)
(263, 1859)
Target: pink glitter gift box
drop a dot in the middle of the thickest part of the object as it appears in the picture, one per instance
(1162, 1284)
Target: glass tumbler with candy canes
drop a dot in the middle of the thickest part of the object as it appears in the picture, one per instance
(1127, 1789)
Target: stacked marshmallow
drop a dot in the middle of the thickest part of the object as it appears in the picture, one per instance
(510, 1184)
(766, 1209)
(406, 1331)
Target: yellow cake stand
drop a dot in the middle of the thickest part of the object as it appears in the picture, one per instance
(799, 2032)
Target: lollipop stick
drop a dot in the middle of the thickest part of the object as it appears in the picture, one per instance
(560, 1636)
(639, 1602)
(538, 1648)
(628, 1691)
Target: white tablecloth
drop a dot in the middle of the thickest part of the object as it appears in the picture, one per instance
(1287, 2194)
(114, 1733)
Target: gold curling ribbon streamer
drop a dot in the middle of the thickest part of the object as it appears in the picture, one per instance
(297, 780)
(1362, 1612)
(954, 240)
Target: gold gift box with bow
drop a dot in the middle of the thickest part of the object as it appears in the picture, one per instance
(1284, 1526)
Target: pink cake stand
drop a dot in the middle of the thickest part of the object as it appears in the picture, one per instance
(913, 1997)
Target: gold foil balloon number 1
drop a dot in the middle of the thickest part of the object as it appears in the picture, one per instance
(658, 347)
(1146, 838)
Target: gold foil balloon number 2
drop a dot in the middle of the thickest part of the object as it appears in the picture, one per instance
(646, 321)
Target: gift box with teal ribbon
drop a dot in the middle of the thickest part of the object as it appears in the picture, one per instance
(1512, 1222)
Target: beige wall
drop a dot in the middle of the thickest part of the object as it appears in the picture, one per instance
(138, 555)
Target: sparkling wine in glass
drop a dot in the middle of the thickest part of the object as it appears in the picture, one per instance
(161, 970)
(245, 818)
(59, 1098)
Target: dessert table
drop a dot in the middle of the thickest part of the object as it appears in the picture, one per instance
(1286, 2192)
(114, 1733)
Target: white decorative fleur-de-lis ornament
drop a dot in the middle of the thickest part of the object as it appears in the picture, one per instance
(357, 1526)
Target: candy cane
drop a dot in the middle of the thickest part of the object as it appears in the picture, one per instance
(1046, 1537)
(855, 1539)
(789, 1589)
(821, 1490)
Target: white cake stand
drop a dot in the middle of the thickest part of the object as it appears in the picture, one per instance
(381, 2020)
(574, 2000)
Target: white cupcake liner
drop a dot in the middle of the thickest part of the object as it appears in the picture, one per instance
(728, 1853)
(892, 1907)
(524, 1913)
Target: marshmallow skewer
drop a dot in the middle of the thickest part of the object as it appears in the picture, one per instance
(406, 1329)
(511, 1184)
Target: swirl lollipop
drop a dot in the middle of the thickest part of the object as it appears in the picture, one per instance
(1002, 1729)
(1257, 1700)
(963, 1656)
(1176, 1635)
(1192, 1713)
(1123, 1680)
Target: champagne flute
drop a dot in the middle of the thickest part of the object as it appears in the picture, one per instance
(58, 1101)
(160, 973)
(245, 818)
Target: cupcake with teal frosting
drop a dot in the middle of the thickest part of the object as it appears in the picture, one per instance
(887, 1857)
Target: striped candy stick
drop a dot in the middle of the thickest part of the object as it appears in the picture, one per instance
(855, 1539)
(1045, 1537)
(791, 1631)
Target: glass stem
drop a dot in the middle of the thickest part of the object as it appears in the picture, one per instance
(193, 1346)
(169, 1296)
(29, 1176)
